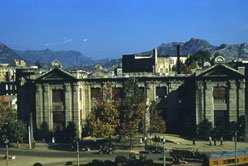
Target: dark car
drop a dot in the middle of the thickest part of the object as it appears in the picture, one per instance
(87, 145)
(106, 149)
(154, 149)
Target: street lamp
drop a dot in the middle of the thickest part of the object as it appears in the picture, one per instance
(145, 139)
(7, 151)
(235, 147)
(164, 140)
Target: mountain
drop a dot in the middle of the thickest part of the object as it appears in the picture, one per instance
(230, 51)
(7, 55)
(69, 59)
(76, 60)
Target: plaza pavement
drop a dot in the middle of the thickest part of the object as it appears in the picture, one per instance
(174, 141)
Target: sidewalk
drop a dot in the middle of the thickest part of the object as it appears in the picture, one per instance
(202, 146)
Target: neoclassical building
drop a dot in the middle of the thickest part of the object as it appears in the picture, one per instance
(56, 96)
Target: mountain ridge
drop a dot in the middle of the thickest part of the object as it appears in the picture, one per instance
(230, 51)
(76, 60)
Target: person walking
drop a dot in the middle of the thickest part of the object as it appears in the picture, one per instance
(210, 140)
(221, 141)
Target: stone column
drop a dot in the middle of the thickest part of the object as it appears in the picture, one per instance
(68, 103)
(48, 106)
(76, 111)
(39, 105)
(241, 98)
(232, 101)
(86, 99)
(199, 102)
(209, 102)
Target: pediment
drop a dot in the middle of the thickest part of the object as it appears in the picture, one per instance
(55, 75)
(220, 70)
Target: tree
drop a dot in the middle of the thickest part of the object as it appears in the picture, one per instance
(10, 127)
(200, 57)
(241, 125)
(15, 131)
(43, 132)
(196, 60)
(157, 123)
(104, 119)
(59, 133)
(223, 129)
(7, 114)
(134, 105)
(71, 132)
(204, 128)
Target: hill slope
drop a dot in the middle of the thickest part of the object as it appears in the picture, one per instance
(7, 55)
(230, 51)
(67, 58)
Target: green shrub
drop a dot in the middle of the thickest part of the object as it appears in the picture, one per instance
(37, 164)
(121, 159)
(69, 163)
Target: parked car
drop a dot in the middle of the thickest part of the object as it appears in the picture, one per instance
(106, 149)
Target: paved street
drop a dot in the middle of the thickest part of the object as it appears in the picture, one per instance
(50, 157)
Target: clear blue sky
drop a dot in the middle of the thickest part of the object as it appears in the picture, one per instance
(110, 28)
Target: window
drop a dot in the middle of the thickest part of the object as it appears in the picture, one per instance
(95, 93)
(219, 93)
(141, 91)
(117, 93)
(57, 96)
(58, 118)
(80, 94)
(161, 92)
(215, 163)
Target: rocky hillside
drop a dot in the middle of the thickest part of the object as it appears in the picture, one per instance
(7, 55)
(70, 59)
(230, 51)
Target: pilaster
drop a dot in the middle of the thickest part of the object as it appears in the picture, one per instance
(76, 111)
(199, 102)
(232, 101)
(47, 106)
(241, 98)
(209, 102)
(39, 105)
(68, 103)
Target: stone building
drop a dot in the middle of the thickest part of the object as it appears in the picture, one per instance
(57, 96)
(151, 63)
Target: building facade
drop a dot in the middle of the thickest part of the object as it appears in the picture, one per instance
(58, 96)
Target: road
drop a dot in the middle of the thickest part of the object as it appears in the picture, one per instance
(26, 157)
(50, 157)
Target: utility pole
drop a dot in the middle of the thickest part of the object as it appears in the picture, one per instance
(77, 153)
(7, 151)
(164, 158)
(30, 132)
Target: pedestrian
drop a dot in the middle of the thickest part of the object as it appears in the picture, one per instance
(193, 141)
(210, 140)
(215, 141)
(141, 141)
(221, 141)
(53, 140)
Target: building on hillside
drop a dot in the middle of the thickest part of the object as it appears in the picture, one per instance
(154, 63)
(7, 74)
(57, 96)
(20, 63)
